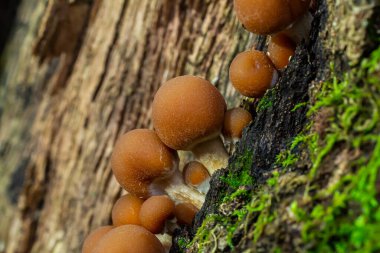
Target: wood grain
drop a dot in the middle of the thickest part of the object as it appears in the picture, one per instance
(82, 87)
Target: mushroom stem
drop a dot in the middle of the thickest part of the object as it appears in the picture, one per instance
(177, 190)
(166, 241)
(212, 154)
(300, 30)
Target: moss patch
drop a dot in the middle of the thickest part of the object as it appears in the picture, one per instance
(332, 205)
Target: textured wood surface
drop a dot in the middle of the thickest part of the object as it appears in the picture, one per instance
(76, 75)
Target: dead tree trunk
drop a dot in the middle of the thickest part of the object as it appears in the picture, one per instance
(77, 74)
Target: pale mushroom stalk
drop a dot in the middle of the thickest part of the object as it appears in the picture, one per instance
(177, 190)
(212, 154)
(166, 241)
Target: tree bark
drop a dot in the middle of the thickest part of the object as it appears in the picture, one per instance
(78, 74)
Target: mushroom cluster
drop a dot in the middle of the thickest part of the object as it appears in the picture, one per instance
(287, 23)
(190, 114)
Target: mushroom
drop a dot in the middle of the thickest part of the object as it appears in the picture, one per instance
(92, 239)
(196, 175)
(129, 238)
(185, 213)
(144, 166)
(235, 120)
(269, 16)
(188, 114)
(280, 50)
(126, 210)
(166, 241)
(155, 211)
(252, 73)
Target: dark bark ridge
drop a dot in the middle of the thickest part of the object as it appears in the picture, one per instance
(285, 158)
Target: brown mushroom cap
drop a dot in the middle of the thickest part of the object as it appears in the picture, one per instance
(252, 73)
(235, 120)
(139, 158)
(269, 16)
(280, 49)
(155, 211)
(126, 210)
(185, 213)
(187, 110)
(93, 238)
(129, 239)
(195, 173)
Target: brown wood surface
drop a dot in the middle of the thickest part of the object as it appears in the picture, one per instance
(76, 75)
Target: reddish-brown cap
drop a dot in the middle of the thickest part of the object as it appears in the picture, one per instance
(139, 158)
(269, 16)
(185, 213)
(195, 173)
(252, 73)
(93, 238)
(126, 210)
(131, 239)
(155, 211)
(235, 120)
(280, 49)
(187, 110)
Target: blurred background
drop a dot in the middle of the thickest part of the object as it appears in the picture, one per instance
(76, 74)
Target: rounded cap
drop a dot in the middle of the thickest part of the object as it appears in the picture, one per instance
(269, 16)
(252, 73)
(129, 239)
(187, 110)
(280, 49)
(126, 210)
(139, 158)
(155, 211)
(93, 238)
(185, 213)
(235, 120)
(195, 173)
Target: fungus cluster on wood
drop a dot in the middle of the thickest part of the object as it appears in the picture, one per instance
(190, 114)
(287, 22)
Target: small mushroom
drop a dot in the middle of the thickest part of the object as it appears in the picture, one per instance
(188, 114)
(269, 16)
(235, 120)
(144, 166)
(129, 238)
(93, 238)
(252, 73)
(185, 213)
(155, 211)
(280, 50)
(126, 210)
(196, 175)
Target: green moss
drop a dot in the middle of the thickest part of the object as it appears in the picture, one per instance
(244, 163)
(349, 219)
(298, 106)
(183, 243)
(343, 215)
(266, 102)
